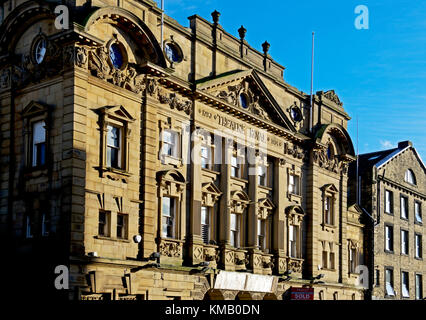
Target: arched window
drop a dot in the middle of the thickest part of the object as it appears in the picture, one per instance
(410, 177)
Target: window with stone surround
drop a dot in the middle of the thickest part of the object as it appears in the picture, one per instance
(207, 149)
(238, 165)
(388, 201)
(238, 218)
(235, 227)
(36, 135)
(405, 284)
(419, 287)
(170, 144)
(38, 143)
(329, 203)
(410, 177)
(294, 181)
(389, 284)
(389, 238)
(168, 217)
(418, 211)
(115, 123)
(29, 226)
(45, 224)
(328, 255)
(210, 197)
(104, 223)
(418, 250)
(295, 216)
(404, 207)
(206, 224)
(404, 242)
(171, 191)
(122, 226)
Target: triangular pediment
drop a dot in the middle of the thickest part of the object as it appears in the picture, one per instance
(266, 203)
(211, 189)
(244, 90)
(330, 188)
(118, 112)
(33, 109)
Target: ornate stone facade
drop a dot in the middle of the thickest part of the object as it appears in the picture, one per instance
(155, 172)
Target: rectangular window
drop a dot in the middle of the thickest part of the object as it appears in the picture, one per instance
(235, 230)
(235, 167)
(324, 259)
(122, 222)
(262, 175)
(404, 242)
(168, 215)
(404, 207)
(261, 233)
(332, 259)
(205, 157)
(38, 144)
(418, 244)
(170, 143)
(293, 184)
(419, 287)
(418, 211)
(352, 260)
(388, 201)
(328, 210)
(103, 223)
(29, 227)
(292, 236)
(45, 224)
(114, 148)
(205, 224)
(389, 282)
(405, 285)
(388, 238)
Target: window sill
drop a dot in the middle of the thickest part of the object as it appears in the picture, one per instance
(389, 213)
(210, 171)
(35, 171)
(404, 254)
(264, 187)
(112, 239)
(405, 219)
(418, 258)
(239, 179)
(166, 159)
(389, 251)
(420, 223)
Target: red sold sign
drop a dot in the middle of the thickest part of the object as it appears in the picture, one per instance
(302, 293)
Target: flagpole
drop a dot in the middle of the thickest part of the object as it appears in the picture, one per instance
(357, 164)
(311, 122)
(162, 23)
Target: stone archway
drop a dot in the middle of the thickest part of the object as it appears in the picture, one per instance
(270, 296)
(214, 294)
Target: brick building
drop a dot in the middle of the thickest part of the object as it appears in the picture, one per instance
(178, 169)
(393, 191)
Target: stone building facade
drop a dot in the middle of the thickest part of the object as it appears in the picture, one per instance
(187, 169)
(392, 190)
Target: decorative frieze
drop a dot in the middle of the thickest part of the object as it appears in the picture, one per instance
(170, 248)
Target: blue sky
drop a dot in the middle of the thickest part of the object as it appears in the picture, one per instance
(379, 73)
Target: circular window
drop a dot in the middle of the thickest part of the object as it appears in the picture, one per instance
(173, 53)
(116, 55)
(295, 113)
(243, 101)
(40, 48)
